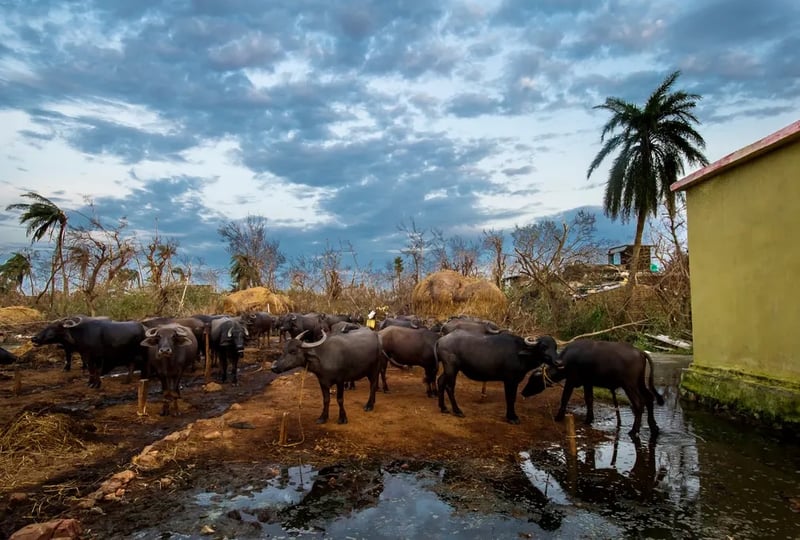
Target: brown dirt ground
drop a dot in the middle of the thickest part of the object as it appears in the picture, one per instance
(405, 425)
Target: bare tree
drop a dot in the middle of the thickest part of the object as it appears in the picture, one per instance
(493, 242)
(159, 254)
(330, 265)
(415, 247)
(255, 258)
(545, 249)
(100, 252)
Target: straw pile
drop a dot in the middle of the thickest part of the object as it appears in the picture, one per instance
(447, 293)
(255, 299)
(12, 315)
(41, 433)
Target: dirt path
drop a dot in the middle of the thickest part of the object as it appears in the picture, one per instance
(239, 426)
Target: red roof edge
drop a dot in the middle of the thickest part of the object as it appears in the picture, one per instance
(768, 143)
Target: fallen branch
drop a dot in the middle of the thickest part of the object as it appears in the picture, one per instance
(591, 334)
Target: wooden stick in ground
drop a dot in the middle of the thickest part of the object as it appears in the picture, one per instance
(569, 422)
(142, 401)
(208, 359)
(282, 436)
(17, 381)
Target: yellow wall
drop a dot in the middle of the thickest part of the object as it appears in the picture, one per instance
(744, 257)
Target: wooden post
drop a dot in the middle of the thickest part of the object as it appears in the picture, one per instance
(282, 431)
(142, 403)
(208, 359)
(569, 421)
(17, 381)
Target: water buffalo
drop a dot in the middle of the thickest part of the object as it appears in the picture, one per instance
(310, 325)
(7, 357)
(171, 349)
(329, 320)
(474, 325)
(102, 343)
(52, 335)
(196, 325)
(495, 357)
(336, 360)
(342, 327)
(226, 340)
(411, 347)
(260, 324)
(406, 321)
(605, 364)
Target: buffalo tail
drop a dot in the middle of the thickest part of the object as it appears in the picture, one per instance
(659, 397)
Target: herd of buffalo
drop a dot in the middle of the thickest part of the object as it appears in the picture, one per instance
(340, 350)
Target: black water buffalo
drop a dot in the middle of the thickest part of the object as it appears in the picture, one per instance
(310, 325)
(495, 357)
(102, 343)
(411, 347)
(51, 335)
(196, 325)
(336, 360)
(172, 348)
(260, 324)
(330, 319)
(605, 364)
(342, 327)
(226, 340)
(7, 357)
(407, 321)
(475, 326)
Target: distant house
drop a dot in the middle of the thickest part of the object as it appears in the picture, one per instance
(743, 215)
(621, 256)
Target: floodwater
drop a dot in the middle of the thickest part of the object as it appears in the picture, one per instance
(704, 477)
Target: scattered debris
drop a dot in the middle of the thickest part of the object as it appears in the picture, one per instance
(58, 528)
(679, 343)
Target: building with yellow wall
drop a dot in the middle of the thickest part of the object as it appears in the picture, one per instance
(743, 215)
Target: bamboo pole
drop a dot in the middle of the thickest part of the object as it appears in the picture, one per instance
(571, 443)
(282, 435)
(142, 401)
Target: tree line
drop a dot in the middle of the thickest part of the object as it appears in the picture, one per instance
(652, 143)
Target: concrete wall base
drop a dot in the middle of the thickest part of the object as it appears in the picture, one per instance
(773, 403)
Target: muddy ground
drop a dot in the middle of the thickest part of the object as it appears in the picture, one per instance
(232, 435)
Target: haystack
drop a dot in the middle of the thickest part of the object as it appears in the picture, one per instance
(447, 293)
(255, 299)
(12, 315)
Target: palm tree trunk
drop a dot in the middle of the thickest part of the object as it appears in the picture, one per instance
(60, 248)
(633, 266)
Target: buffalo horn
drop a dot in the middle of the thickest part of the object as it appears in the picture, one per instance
(293, 318)
(492, 329)
(74, 321)
(300, 335)
(315, 343)
(180, 330)
(230, 331)
(531, 340)
(151, 332)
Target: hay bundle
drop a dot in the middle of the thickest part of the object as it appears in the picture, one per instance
(447, 293)
(13, 315)
(41, 433)
(255, 299)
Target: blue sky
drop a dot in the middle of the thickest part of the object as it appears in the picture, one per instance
(340, 120)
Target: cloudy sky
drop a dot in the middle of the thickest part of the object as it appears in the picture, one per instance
(339, 120)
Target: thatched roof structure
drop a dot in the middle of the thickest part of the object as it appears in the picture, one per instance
(255, 299)
(446, 293)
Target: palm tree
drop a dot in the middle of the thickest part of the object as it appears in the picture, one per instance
(16, 269)
(42, 216)
(653, 142)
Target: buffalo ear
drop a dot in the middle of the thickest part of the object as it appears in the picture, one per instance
(149, 342)
(183, 340)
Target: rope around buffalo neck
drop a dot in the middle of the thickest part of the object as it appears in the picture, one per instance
(299, 412)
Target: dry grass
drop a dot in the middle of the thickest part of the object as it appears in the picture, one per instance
(34, 442)
(255, 299)
(13, 315)
(446, 293)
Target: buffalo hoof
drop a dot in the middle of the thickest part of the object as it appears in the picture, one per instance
(559, 417)
(369, 407)
(459, 414)
(634, 435)
(342, 421)
(385, 390)
(445, 410)
(322, 420)
(513, 420)
(588, 421)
